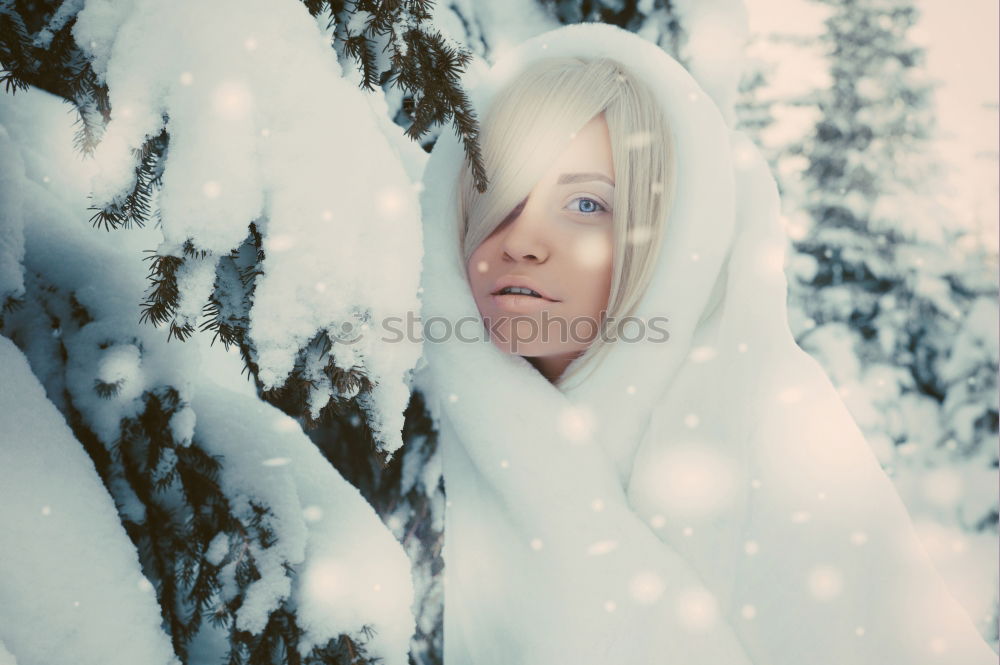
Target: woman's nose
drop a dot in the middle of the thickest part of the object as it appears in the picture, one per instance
(525, 238)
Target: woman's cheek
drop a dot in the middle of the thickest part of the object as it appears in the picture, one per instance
(592, 251)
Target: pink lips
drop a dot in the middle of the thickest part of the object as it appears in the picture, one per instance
(523, 282)
(517, 303)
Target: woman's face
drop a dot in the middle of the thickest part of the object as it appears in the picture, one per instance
(558, 243)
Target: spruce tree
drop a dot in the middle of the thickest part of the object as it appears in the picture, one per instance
(167, 488)
(881, 277)
(657, 20)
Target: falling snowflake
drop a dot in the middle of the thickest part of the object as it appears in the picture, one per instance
(825, 582)
(646, 587)
(576, 424)
(602, 547)
(696, 609)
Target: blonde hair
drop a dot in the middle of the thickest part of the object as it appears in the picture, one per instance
(532, 119)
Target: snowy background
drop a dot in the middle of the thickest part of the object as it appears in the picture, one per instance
(946, 495)
(151, 491)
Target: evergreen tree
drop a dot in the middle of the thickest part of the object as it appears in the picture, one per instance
(167, 488)
(754, 107)
(880, 278)
(657, 20)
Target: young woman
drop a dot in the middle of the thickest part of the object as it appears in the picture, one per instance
(641, 466)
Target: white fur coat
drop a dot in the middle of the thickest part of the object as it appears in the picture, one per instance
(704, 501)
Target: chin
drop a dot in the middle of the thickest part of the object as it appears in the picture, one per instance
(526, 349)
(535, 350)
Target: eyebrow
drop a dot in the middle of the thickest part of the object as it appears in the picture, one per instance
(567, 178)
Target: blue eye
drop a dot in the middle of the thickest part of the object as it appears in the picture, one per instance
(588, 205)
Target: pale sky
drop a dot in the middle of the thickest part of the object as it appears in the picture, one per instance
(962, 38)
